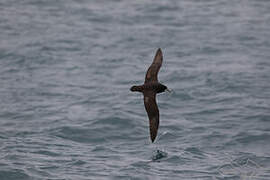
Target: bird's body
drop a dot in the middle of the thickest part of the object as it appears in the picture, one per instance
(150, 88)
(154, 86)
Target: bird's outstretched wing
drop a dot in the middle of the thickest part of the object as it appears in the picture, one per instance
(152, 112)
(152, 72)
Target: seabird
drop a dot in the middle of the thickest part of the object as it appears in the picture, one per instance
(150, 88)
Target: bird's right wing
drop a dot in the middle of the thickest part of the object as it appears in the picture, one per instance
(152, 112)
(152, 72)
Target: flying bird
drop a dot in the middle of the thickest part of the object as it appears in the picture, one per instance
(150, 88)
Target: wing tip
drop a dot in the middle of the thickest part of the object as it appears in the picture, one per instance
(159, 56)
(153, 135)
(153, 139)
(159, 51)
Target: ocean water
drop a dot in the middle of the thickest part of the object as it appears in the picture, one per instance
(66, 111)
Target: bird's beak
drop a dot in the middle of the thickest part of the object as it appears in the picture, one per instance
(169, 90)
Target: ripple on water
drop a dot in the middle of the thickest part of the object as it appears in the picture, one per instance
(47, 153)
(14, 174)
(80, 134)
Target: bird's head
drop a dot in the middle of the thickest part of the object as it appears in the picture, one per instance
(163, 88)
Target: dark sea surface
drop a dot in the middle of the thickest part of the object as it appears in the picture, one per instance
(66, 111)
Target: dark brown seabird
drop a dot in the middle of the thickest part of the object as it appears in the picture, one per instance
(149, 89)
